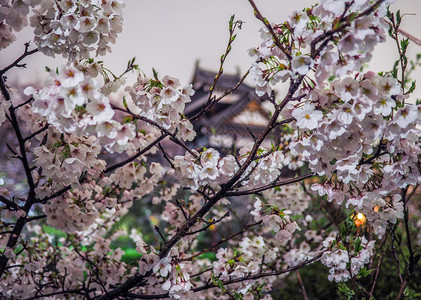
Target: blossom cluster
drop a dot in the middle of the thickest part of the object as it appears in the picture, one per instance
(70, 28)
(75, 28)
(247, 261)
(291, 197)
(278, 220)
(83, 205)
(13, 17)
(99, 266)
(351, 118)
(353, 50)
(207, 168)
(163, 102)
(168, 274)
(176, 218)
(363, 124)
(343, 262)
(63, 160)
(74, 104)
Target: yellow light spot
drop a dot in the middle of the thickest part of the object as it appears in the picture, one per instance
(212, 227)
(154, 220)
(359, 219)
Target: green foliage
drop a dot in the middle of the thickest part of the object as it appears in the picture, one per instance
(209, 255)
(131, 256)
(364, 273)
(344, 289)
(54, 232)
(218, 282)
(357, 245)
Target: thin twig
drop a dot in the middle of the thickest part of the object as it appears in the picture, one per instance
(35, 218)
(9, 203)
(265, 21)
(24, 103)
(160, 234)
(221, 241)
(166, 156)
(37, 132)
(268, 186)
(31, 197)
(132, 158)
(303, 288)
(261, 274)
(211, 102)
(16, 62)
(209, 224)
(182, 209)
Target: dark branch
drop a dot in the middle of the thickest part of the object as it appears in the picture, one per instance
(268, 186)
(209, 224)
(269, 27)
(37, 132)
(16, 62)
(132, 158)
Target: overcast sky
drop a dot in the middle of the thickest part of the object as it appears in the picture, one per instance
(170, 35)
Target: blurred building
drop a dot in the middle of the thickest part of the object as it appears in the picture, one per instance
(235, 119)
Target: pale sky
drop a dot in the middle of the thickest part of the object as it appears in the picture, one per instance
(170, 35)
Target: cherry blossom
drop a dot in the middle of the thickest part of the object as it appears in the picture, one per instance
(329, 178)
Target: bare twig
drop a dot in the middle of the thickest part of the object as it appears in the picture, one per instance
(160, 234)
(133, 157)
(222, 241)
(9, 203)
(19, 59)
(212, 100)
(302, 286)
(166, 156)
(24, 103)
(265, 21)
(30, 219)
(268, 186)
(261, 274)
(31, 198)
(37, 132)
(209, 224)
(186, 217)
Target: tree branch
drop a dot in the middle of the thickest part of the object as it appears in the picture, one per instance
(268, 186)
(259, 16)
(16, 62)
(139, 153)
(209, 224)
(221, 241)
